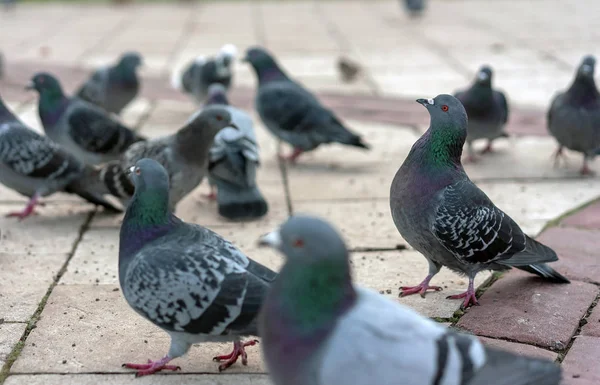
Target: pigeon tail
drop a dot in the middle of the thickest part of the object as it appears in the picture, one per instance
(357, 141)
(115, 180)
(88, 188)
(545, 271)
(240, 204)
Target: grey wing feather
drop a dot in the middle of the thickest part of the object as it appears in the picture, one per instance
(501, 100)
(94, 89)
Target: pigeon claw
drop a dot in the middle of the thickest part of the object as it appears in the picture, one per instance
(152, 367)
(469, 296)
(231, 358)
(421, 289)
(292, 157)
(488, 149)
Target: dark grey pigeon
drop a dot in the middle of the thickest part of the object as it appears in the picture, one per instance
(202, 72)
(81, 128)
(487, 110)
(415, 8)
(445, 217)
(185, 155)
(291, 112)
(233, 162)
(319, 328)
(113, 88)
(185, 279)
(574, 116)
(35, 167)
(2, 65)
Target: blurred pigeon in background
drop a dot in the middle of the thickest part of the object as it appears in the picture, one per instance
(348, 69)
(113, 88)
(415, 8)
(202, 72)
(2, 65)
(291, 112)
(184, 278)
(487, 110)
(35, 166)
(184, 155)
(448, 219)
(574, 116)
(87, 131)
(318, 328)
(233, 162)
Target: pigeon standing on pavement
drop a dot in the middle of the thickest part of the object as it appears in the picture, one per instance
(35, 166)
(291, 112)
(448, 219)
(79, 127)
(184, 155)
(233, 162)
(202, 72)
(487, 110)
(574, 116)
(113, 88)
(184, 278)
(318, 328)
(415, 8)
(348, 69)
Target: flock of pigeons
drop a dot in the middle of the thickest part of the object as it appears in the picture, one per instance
(317, 327)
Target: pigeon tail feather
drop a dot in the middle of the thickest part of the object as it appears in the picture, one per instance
(240, 204)
(115, 180)
(88, 188)
(546, 272)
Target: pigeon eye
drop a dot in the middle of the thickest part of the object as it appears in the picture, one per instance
(445, 108)
(219, 118)
(298, 243)
(138, 171)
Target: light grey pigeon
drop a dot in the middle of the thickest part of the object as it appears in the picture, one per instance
(293, 114)
(574, 116)
(203, 71)
(448, 219)
(233, 162)
(487, 110)
(113, 87)
(317, 328)
(415, 8)
(184, 278)
(35, 167)
(87, 131)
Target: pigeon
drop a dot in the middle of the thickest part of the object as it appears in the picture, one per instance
(348, 69)
(81, 128)
(291, 112)
(35, 166)
(233, 162)
(415, 8)
(574, 116)
(319, 328)
(487, 110)
(203, 72)
(443, 215)
(113, 88)
(2, 65)
(184, 278)
(184, 155)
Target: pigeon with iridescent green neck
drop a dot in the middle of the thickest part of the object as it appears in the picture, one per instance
(448, 219)
(184, 278)
(113, 88)
(318, 328)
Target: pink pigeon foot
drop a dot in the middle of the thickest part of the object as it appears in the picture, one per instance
(212, 195)
(488, 149)
(558, 155)
(469, 296)
(292, 157)
(27, 211)
(152, 367)
(420, 288)
(585, 170)
(231, 358)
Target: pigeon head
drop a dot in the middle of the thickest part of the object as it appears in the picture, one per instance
(130, 61)
(217, 94)
(45, 83)
(484, 76)
(148, 174)
(587, 67)
(227, 53)
(264, 64)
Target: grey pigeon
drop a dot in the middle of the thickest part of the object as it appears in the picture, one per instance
(415, 8)
(35, 167)
(79, 127)
(487, 110)
(202, 72)
(348, 69)
(317, 328)
(2, 65)
(574, 115)
(184, 155)
(114, 87)
(184, 278)
(448, 219)
(291, 112)
(233, 162)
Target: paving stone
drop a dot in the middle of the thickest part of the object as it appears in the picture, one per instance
(577, 361)
(592, 327)
(577, 251)
(588, 217)
(10, 334)
(522, 349)
(126, 379)
(530, 310)
(94, 330)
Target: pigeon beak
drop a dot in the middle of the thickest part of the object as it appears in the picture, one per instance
(426, 102)
(482, 76)
(30, 86)
(272, 239)
(587, 69)
(130, 170)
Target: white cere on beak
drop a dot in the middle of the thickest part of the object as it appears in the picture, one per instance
(229, 50)
(132, 169)
(482, 76)
(272, 239)
(586, 68)
(200, 59)
(431, 101)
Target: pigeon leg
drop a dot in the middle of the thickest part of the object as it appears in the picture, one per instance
(420, 288)
(585, 170)
(488, 149)
(231, 358)
(28, 210)
(469, 295)
(294, 155)
(212, 195)
(152, 367)
(558, 155)
(470, 154)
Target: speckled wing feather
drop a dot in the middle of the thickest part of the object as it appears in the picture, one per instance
(94, 89)
(194, 281)
(474, 230)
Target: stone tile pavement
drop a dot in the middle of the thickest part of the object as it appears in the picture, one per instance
(62, 316)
